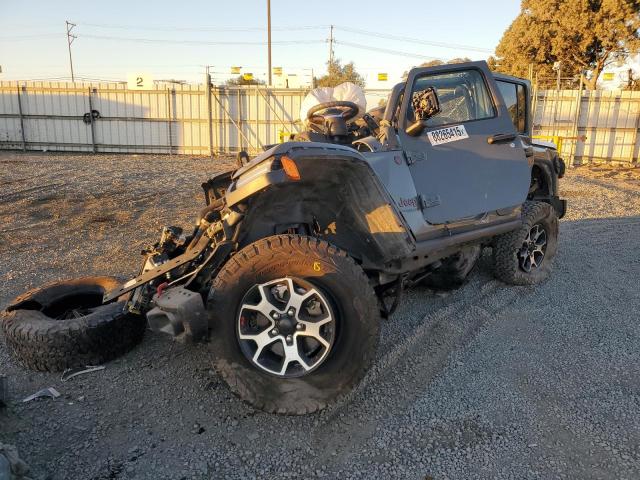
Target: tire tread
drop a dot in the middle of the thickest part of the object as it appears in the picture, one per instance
(269, 248)
(48, 345)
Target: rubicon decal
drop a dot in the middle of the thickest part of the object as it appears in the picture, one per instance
(446, 135)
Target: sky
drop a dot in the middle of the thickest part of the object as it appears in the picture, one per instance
(177, 40)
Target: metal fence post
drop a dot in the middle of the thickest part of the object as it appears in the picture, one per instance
(24, 142)
(576, 123)
(170, 140)
(93, 133)
(207, 90)
(257, 115)
(239, 104)
(636, 134)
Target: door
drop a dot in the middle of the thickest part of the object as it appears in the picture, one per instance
(469, 160)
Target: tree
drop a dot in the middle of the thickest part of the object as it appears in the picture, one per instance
(581, 34)
(437, 62)
(432, 63)
(240, 80)
(493, 64)
(337, 74)
(459, 60)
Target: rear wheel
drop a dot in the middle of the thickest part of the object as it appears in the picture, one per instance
(294, 324)
(525, 256)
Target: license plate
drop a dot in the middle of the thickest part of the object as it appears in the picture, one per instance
(446, 135)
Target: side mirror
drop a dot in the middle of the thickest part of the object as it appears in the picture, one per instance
(425, 105)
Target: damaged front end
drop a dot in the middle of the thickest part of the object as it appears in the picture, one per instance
(180, 313)
(172, 286)
(326, 191)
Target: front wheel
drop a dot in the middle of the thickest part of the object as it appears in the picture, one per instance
(525, 256)
(294, 324)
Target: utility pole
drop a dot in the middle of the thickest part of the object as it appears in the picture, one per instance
(331, 45)
(269, 36)
(207, 90)
(70, 39)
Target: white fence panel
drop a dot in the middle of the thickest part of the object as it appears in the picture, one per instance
(10, 128)
(600, 126)
(179, 119)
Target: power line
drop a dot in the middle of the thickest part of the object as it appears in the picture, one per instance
(28, 37)
(386, 50)
(292, 28)
(197, 42)
(414, 40)
(206, 28)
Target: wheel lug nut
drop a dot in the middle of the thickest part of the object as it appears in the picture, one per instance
(275, 315)
(274, 331)
(291, 312)
(299, 326)
(289, 338)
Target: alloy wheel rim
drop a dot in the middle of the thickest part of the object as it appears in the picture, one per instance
(531, 254)
(286, 327)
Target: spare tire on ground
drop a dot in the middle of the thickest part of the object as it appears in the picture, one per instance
(64, 325)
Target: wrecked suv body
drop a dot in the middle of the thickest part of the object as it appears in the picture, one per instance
(300, 251)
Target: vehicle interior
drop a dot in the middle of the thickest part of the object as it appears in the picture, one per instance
(336, 122)
(462, 97)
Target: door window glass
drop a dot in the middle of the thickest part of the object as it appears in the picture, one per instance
(514, 96)
(463, 97)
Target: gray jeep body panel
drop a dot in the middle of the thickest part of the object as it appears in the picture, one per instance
(407, 202)
(470, 176)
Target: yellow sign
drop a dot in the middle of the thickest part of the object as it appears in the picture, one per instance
(382, 77)
(236, 70)
(139, 81)
(247, 76)
(277, 70)
(608, 77)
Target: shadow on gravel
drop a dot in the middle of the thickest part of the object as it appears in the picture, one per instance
(161, 412)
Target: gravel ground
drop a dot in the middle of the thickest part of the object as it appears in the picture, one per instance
(488, 381)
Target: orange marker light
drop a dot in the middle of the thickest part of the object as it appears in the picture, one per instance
(290, 168)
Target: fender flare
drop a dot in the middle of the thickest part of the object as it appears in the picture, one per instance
(338, 198)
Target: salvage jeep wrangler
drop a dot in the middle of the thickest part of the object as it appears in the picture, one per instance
(302, 250)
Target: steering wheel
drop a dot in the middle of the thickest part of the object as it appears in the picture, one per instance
(348, 110)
